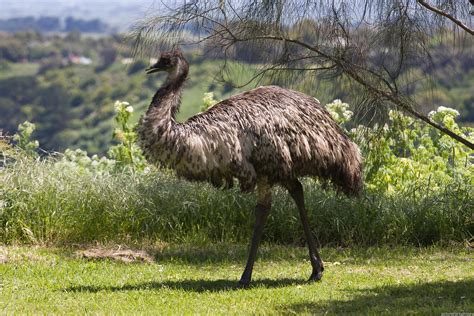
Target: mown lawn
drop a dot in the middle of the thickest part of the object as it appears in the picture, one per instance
(187, 280)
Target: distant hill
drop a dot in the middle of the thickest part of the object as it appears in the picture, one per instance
(67, 85)
(46, 24)
(119, 14)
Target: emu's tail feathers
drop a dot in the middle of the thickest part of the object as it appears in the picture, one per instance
(349, 178)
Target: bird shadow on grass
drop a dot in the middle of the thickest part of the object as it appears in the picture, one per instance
(225, 253)
(186, 254)
(424, 298)
(187, 285)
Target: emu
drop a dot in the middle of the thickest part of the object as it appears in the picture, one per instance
(263, 137)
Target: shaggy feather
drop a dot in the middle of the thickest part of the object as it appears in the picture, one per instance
(268, 132)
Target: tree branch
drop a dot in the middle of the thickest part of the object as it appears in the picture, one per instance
(446, 15)
(389, 96)
(248, 24)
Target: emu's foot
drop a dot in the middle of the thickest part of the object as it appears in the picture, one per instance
(317, 274)
(243, 284)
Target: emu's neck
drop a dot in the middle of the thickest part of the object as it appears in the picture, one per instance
(157, 134)
(166, 101)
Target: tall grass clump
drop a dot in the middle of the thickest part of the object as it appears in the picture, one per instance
(419, 190)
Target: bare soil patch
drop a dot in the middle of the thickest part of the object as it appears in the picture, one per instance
(124, 255)
(3, 255)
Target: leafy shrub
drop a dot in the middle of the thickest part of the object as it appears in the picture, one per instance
(79, 160)
(126, 153)
(207, 101)
(407, 156)
(23, 139)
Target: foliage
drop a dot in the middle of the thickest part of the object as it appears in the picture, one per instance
(126, 153)
(80, 161)
(11, 49)
(339, 111)
(137, 66)
(24, 141)
(86, 26)
(406, 156)
(207, 101)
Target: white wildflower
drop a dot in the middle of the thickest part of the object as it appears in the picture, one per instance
(121, 105)
(118, 106)
(339, 111)
(450, 111)
(129, 109)
(442, 113)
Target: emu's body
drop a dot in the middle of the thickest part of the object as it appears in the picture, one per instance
(266, 136)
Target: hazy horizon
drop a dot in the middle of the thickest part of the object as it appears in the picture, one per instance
(119, 14)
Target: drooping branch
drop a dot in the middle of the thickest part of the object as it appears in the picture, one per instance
(446, 15)
(376, 52)
(390, 95)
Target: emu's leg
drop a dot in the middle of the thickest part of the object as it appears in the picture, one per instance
(296, 191)
(261, 213)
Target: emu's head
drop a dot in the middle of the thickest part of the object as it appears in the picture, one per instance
(172, 62)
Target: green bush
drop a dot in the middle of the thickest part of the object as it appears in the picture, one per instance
(406, 156)
(126, 153)
(23, 139)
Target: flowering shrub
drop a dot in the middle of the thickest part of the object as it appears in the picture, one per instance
(407, 155)
(24, 141)
(78, 159)
(339, 111)
(126, 153)
(207, 101)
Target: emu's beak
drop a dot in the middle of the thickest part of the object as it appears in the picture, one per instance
(151, 70)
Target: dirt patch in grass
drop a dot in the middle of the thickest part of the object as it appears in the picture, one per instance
(3, 256)
(124, 255)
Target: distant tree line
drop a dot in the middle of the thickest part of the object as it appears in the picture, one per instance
(72, 103)
(52, 24)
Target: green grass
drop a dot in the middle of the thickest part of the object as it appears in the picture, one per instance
(190, 280)
(46, 203)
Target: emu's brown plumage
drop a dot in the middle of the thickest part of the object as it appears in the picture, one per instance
(265, 136)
